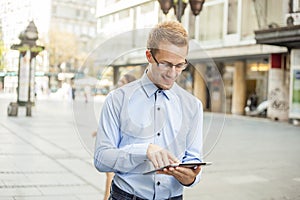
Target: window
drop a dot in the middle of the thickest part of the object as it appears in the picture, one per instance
(275, 14)
(232, 17)
(148, 7)
(296, 6)
(124, 14)
(110, 2)
(54, 10)
(78, 13)
(105, 21)
(267, 13)
(249, 21)
(211, 22)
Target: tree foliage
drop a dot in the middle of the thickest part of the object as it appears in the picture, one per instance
(62, 47)
(1, 54)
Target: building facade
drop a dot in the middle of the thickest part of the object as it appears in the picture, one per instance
(225, 30)
(65, 24)
(71, 32)
(15, 16)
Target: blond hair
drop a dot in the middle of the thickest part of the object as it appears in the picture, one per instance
(169, 31)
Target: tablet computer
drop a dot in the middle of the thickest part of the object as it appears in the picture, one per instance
(188, 165)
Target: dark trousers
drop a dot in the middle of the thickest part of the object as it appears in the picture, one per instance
(118, 194)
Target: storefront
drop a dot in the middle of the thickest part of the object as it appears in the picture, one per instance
(223, 84)
(229, 82)
(10, 83)
(284, 79)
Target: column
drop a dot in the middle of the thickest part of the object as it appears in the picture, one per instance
(278, 92)
(239, 88)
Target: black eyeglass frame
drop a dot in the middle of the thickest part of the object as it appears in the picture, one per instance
(170, 65)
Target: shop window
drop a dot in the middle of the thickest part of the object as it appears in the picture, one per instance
(257, 78)
(228, 83)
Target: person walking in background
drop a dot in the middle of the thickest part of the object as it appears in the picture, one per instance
(73, 92)
(86, 93)
(253, 101)
(151, 123)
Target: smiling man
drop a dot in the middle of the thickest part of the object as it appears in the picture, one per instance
(151, 123)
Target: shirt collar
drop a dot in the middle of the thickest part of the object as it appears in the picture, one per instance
(150, 88)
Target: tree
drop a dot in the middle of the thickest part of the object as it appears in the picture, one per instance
(1, 54)
(62, 47)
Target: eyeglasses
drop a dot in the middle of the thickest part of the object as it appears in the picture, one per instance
(167, 65)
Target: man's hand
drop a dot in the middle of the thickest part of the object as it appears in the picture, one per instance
(185, 176)
(160, 157)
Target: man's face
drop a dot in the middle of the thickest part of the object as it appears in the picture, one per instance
(166, 64)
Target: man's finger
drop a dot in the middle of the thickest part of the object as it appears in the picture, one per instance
(159, 160)
(173, 158)
(165, 158)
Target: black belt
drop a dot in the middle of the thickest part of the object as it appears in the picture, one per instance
(117, 192)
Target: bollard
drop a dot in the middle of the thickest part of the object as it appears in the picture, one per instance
(12, 109)
(28, 110)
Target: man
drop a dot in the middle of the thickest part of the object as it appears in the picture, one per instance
(151, 123)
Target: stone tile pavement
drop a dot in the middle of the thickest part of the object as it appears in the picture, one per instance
(44, 158)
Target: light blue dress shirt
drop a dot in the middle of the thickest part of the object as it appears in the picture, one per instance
(136, 115)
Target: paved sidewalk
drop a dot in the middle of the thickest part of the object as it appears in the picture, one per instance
(43, 157)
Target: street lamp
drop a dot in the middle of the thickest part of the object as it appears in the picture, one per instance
(180, 5)
(28, 51)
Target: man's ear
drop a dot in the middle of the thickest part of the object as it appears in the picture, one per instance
(148, 56)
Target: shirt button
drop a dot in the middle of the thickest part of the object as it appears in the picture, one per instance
(158, 134)
(158, 108)
(158, 183)
(159, 91)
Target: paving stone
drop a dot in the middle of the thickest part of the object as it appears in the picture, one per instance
(245, 179)
(54, 179)
(52, 197)
(9, 138)
(90, 197)
(14, 179)
(86, 171)
(254, 159)
(17, 149)
(23, 191)
(68, 190)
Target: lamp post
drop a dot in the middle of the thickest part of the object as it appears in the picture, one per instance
(180, 5)
(28, 51)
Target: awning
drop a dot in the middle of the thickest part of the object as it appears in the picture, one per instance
(288, 36)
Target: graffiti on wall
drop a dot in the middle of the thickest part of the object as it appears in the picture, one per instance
(278, 100)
